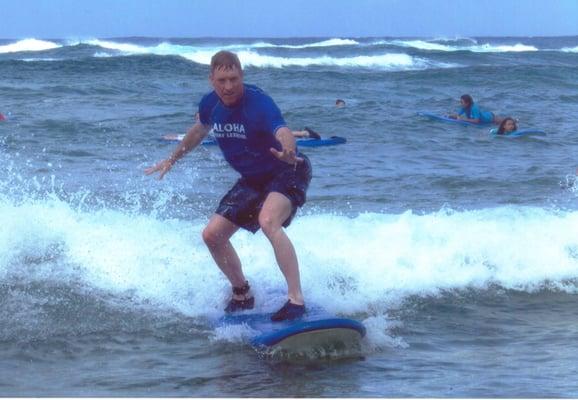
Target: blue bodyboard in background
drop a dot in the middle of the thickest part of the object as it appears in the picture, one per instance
(330, 141)
(519, 133)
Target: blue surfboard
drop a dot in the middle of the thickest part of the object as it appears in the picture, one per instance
(331, 141)
(444, 118)
(315, 330)
(519, 133)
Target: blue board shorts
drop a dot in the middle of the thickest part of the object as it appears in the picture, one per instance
(242, 204)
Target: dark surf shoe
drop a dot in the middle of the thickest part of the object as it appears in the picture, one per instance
(312, 133)
(288, 312)
(239, 305)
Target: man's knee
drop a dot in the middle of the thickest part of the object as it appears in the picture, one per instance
(218, 231)
(268, 224)
(209, 236)
(212, 236)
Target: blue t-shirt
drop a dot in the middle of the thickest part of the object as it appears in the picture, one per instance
(475, 113)
(246, 132)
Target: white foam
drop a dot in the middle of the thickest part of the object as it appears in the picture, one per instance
(388, 61)
(241, 333)
(348, 265)
(250, 57)
(27, 45)
(167, 48)
(379, 334)
(325, 43)
(476, 48)
(488, 48)
(39, 59)
(195, 51)
(423, 45)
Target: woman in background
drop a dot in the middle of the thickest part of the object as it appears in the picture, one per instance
(470, 112)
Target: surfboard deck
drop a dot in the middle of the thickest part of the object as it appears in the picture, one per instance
(314, 331)
(304, 142)
(443, 118)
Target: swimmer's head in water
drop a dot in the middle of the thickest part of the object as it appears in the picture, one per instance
(507, 125)
(339, 103)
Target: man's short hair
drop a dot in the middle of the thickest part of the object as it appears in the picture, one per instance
(225, 60)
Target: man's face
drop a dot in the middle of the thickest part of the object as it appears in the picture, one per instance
(228, 84)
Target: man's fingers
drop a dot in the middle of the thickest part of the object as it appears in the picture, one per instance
(287, 156)
(162, 167)
(150, 170)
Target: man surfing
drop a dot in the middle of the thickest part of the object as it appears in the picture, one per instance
(257, 143)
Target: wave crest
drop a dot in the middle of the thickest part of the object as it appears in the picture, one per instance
(388, 61)
(475, 48)
(28, 45)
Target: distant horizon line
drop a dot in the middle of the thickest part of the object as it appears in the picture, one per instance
(283, 37)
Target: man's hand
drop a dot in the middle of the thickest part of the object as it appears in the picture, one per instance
(163, 166)
(287, 156)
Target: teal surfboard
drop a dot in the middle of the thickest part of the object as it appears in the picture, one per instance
(519, 133)
(445, 118)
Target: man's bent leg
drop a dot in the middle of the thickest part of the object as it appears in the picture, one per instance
(276, 209)
(216, 236)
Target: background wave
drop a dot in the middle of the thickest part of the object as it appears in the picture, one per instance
(390, 54)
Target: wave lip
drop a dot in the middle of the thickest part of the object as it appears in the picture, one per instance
(387, 61)
(167, 48)
(474, 48)
(175, 49)
(324, 43)
(488, 48)
(28, 45)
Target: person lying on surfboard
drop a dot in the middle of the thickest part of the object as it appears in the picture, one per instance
(470, 112)
(508, 125)
(257, 143)
(306, 133)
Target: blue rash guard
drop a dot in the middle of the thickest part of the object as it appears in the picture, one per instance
(246, 132)
(485, 117)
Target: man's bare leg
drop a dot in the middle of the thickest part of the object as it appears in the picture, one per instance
(217, 236)
(276, 209)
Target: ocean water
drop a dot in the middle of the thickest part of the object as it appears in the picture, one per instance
(458, 251)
